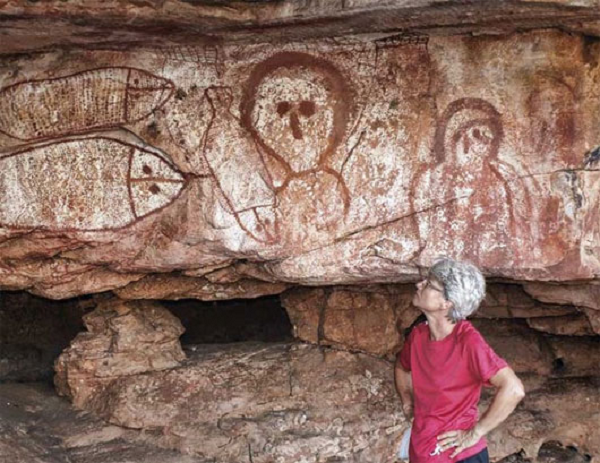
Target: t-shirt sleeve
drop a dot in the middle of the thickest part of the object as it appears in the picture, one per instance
(483, 361)
(404, 354)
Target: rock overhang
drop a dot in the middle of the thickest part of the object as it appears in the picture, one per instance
(301, 159)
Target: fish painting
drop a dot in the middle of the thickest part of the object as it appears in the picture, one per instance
(86, 184)
(83, 102)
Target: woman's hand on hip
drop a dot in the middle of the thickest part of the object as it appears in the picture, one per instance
(461, 439)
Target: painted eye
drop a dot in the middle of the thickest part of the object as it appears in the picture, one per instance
(147, 169)
(307, 108)
(154, 189)
(283, 107)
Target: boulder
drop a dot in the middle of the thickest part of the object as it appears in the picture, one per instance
(122, 339)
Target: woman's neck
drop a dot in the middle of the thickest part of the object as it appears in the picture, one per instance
(439, 326)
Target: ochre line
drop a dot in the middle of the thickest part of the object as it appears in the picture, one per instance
(126, 99)
(131, 202)
(154, 179)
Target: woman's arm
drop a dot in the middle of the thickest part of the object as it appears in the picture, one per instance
(509, 393)
(404, 387)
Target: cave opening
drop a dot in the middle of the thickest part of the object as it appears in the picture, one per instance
(35, 330)
(231, 321)
(287, 345)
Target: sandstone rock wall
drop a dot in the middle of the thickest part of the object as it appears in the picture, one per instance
(240, 168)
(122, 339)
(116, 23)
(373, 320)
(333, 398)
(262, 402)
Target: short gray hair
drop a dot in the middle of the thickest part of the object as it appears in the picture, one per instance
(464, 286)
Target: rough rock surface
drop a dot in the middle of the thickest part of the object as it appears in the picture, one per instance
(374, 321)
(234, 169)
(38, 427)
(116, 22)
(585, 296)
(123, 339)
(294, 402)
(352, 318)
(564, 410)
(264, 402)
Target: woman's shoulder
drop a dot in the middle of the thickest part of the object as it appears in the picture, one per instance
(467, 333)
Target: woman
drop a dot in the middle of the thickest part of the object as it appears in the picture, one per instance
(443, 365)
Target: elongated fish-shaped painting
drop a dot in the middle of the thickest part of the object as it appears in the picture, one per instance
(82, 102)
(87, 184)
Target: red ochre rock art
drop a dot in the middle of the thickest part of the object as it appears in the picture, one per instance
(297, 107)
(78, 103)
(553, 128)
(88, 184)
(329, 162)
(470, 186)
(238, 169)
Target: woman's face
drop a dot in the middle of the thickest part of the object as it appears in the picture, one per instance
(429, 295)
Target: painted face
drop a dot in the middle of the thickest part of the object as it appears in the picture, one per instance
(429, 295)
(294, 115)
(473, 142)
(469, 133)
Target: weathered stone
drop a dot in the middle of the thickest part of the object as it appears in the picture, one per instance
(570, 325)
(523, 348)
(585, 296)
(292, 403)
(575, 357)
(321, 162)
(204, 21)
(368, 321)
(180, 287)
(565, 411)
(361, 321)
(530, 352)
(578, 295)
(279, 402)
(305, 307)
(123, 339)
(511, 301)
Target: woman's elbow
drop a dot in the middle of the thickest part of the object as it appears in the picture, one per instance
(517, 390)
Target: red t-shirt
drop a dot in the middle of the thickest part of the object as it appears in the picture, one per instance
(447, 377)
